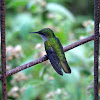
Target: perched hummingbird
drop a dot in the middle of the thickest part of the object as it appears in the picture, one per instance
(54, 51)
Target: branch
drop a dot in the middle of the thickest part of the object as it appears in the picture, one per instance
(44, 58)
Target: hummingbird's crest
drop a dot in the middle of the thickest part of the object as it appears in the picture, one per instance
(47, 32)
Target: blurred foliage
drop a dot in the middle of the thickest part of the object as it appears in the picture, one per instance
(71, 21)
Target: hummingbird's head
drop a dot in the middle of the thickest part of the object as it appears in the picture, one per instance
(45, 33)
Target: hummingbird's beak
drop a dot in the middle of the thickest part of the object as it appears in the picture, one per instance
(33, 32)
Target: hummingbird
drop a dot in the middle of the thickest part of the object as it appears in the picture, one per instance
(54, 51)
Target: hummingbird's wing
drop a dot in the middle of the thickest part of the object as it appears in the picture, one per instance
(63, 60)
(54, 60)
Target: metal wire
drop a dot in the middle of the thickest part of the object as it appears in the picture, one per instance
(44, 58)
(3, 52)
(96, 47)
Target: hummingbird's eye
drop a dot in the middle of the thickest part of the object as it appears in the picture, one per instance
(43, 34)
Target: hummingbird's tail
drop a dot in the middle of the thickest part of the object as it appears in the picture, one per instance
(66, 67)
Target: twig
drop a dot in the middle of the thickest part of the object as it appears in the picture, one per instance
(44, 58)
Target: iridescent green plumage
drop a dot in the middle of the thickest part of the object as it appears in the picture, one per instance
(54, 51)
